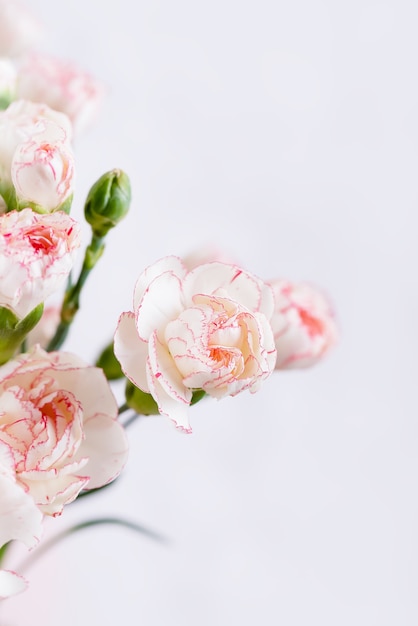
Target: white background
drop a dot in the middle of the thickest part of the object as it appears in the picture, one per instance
(284, 132)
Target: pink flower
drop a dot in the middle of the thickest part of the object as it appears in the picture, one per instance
(42, 170)
(62, 86)
(303, 324)
(36, 158)
(36, 255)
(58, 434)
(19, 30)
(205, 329)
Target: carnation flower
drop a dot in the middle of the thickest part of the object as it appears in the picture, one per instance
(36, 158)
(205, 329)
(61, 85)
(19, 29)
(58, 433)
(303, 324)
(36, 255)
(42, 170)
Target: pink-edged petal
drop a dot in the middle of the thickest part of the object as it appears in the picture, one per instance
(161, 302)
(164, 368)
(131, 351)
(176, 411)
(82, 381)
(106, 447)
(11, 583)
(171, 264)
(53, 496)
(267, 341)
(224, 280)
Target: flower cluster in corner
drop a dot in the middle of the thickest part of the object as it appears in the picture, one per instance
(199, 326)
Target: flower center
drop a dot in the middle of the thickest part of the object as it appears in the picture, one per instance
(313, 325)
(40, 238)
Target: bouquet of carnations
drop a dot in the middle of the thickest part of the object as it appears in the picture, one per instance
(199, 327)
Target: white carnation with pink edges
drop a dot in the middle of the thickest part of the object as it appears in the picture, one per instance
(37, 253)
(205, 329)
(303, 323)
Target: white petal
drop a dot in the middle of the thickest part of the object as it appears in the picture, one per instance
(90, 387)
(106, 447)
(175, 410)
(161, 303)
(171, 264)
(131, 351)
(224, 280)
(11, 583)
(164, 368)
(20, 518)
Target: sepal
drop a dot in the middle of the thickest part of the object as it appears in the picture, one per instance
(141, 402)
(13, 331)
(109, 364)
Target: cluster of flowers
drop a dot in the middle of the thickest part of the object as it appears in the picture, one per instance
(197, 327)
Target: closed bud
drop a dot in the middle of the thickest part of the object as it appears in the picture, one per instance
(108, 202)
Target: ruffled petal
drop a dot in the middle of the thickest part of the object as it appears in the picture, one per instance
(175, 410)
(131, 351)
(161, 302)
(164, 368)
(106, 447)
(20, 518)
(224, 280)
(171, 264)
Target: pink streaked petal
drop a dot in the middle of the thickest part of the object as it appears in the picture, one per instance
(106, 447)
(161, 302)
(171, 264)
(164, 368)
(82, 381)
(176, 411)
(131, 351)
(11, 583)
(224, 280)
(51, 495)
(20, 518)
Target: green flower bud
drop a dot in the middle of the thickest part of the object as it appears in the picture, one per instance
(108, 202)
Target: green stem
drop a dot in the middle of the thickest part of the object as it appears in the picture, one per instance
(115, 521)
(122, 409)
(3, 551)
(131, 420)
(71, 303)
